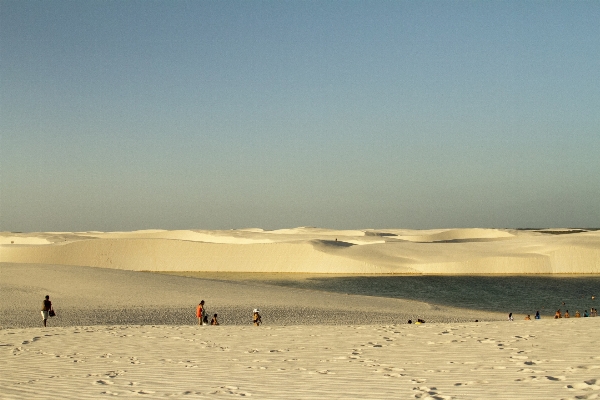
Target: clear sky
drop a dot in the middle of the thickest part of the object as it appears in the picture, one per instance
(122, 115)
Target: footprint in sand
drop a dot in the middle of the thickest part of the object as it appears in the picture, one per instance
(555, 378)
(103, 382)
(527, 379)
(141, 392)
(114, 374)
(585, 385)
(230, 390)
(424, 392)
(584, 367)
(325, 372)
(471, 383)
(534, 378)
(530, 371)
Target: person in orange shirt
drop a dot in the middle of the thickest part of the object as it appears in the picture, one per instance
(200, 312)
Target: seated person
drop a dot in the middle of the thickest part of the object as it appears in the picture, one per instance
(567, 314)
(528, 318)
(577, 315)
(214, 321)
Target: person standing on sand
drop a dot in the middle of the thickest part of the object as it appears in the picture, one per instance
(256, 317)
(46, 307)
(510, 317)
(200, 312)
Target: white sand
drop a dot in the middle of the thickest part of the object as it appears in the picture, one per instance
(127, 333)
(544, 359)
(311, 250)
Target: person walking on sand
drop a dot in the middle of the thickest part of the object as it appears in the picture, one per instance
(200, 312)
(46, 308)
(510, 317)
(256, 317)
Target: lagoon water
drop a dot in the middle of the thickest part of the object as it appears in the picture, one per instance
(519, 294)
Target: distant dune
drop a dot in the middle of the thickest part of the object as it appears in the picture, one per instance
(314, 250)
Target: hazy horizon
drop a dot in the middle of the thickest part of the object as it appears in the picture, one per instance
(135, 115)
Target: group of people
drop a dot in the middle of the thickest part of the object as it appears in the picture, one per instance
(558, 314)
(527, 318)
(593, 313)
(202, 316)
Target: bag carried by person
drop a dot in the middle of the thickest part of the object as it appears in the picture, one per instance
(51, 313)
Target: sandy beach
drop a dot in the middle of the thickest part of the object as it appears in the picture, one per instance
(544, 359)
(122, 330)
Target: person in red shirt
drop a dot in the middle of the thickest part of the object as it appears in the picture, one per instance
(200, 312)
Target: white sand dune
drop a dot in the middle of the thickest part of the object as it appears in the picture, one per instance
(128, 333)
(518, 360)
(312, 250)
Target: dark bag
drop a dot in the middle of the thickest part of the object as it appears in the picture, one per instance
(51, 313)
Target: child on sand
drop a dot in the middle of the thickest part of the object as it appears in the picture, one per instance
(567, 314)
(214, 321)
(528, 318)
(256, 317)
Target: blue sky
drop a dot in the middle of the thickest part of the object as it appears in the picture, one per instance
(121, 115)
